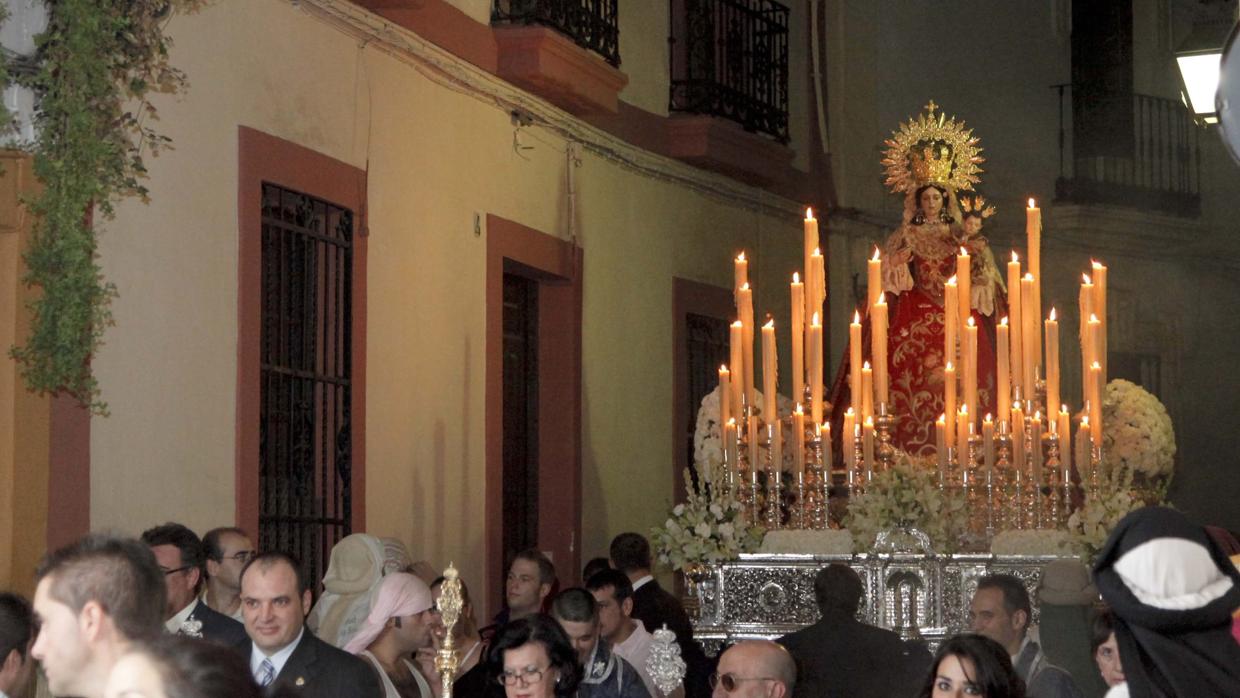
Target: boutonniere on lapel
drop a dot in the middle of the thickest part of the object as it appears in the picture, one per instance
(191, 628)
(301, 681)
(598, 668)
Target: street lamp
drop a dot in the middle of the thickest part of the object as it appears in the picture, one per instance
(1199, 58)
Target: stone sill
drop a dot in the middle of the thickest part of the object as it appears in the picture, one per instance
(721, 146)
(551, 66)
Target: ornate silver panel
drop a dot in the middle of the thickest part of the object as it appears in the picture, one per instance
(916, 595)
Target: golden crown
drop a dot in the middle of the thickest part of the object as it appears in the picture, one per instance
(932, 150)
(977, 206)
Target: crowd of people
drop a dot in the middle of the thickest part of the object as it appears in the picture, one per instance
(172, 615)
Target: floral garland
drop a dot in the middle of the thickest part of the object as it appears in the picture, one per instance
(906, 495)
(1091, 524)
(708, 527)
(1136, 431)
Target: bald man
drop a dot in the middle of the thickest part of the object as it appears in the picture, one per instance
(755, 669)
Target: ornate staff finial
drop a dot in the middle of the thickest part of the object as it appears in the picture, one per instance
(449, 604)
(931, 107)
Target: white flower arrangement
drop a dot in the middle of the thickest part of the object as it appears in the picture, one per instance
(907, 495)
(1136, 431)
(1044, 542)
(708, 433)
(708, 527)
(1091, 524)
(826, 542)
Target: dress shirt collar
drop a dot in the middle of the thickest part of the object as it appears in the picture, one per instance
(278, 660)
(636, 639)
(173, 624)
(642, 582)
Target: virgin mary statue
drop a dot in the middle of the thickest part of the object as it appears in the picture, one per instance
(930, 160)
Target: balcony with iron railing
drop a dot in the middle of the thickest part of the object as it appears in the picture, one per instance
(591, 24)
(1130, 150)
(729, 59)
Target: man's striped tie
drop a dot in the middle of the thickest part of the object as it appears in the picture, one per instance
(266, 673)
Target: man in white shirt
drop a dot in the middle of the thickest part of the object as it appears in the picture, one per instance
(93, 599)
(613, 592)
(274, 600)
(226, 551)
(16, 627)
(1001, 610)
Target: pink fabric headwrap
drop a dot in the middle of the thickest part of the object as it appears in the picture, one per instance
(399, 594)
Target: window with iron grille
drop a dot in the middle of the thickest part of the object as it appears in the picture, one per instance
(706, 340)
(305, 449)
(729, 58)
(591, 24)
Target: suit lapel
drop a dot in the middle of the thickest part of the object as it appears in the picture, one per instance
(299, 669)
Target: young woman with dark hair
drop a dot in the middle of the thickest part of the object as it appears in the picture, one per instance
(972, 665)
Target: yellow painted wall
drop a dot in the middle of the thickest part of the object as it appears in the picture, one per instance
(435, 156)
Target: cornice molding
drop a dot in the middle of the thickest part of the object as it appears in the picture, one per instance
(456, 74)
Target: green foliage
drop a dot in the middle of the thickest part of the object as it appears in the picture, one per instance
(97, 63)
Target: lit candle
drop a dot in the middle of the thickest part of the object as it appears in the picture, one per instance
(949, 401)
(867, 390)
(1037, 448)
(1087, 310)
(874, 278)
(725, 394)
(964, 284)
(736, 341)
(1100, 309)
(1094, 332)
(940, 443)
(1052, 361)
(1003, 386)
(854, 359)
(1095, 403)
(824, 434)
(745, 296)
(1017, 324)
(741, 268)
(970, 362)
(798, 339)
(878, 348)
(770, 377)
(963, 429)
(730, 448)
(1082, 449)
(798, 439)
(1033, 235)
(1018, 436)
(988, 445)
(1064, 429)
(1030, 337)
(755, 464)
(815, 368)
(810, 238)
(951, 298)
(848, 439)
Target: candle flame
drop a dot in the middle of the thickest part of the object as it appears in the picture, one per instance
(1029, 277)
(1064, 408)
(876, 254)
(770, 324)
(987, 418)
(1053, 316)
(964, 409)
(814, 320)
(971, 323)
(952, 280)
(1015, 259)
(723, 368)
(942, 418)
(798, 410)
(1085, 420)
(738, 324)
(963, 252)
(1004, 321)
(856, 317)
(865, 366)
(869, 422)
(809, 213)
(1032, 203)
(1037, 416)
(1086, 280)
(1095, 264)
(732, 421)
(1093, 317)
(1096, 365)
(882, 299)
(745, 286)
(796, 277)
(741, 257)
(850, 413)
(817, 252)
(949, 366)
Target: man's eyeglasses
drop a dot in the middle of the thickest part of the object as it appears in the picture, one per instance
(730, 682)
(174, 571)
(527, 676)
(241, 556)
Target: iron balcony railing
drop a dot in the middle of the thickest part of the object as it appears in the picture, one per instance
(591, 24)
(1130, 150)
(729, 58)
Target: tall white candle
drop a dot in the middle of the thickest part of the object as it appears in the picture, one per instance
(854, 358)
(1003, 384)
(815, 368)
(747, 331)
(964, 286)
(1016, 317)
(878, 349)
(874, 278)
(725, 394)
(798, 339)
(736, 339)
(951, 321)
(949, 402)
(970, 376)
(1052, 363)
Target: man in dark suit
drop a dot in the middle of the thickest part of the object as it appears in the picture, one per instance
(841, 656)
(179, 553)
(655, 607)
(281, 650)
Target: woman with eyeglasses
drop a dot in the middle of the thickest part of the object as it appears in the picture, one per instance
(972, 665)
(532, 658)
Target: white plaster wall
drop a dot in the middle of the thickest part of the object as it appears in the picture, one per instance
(435, 156)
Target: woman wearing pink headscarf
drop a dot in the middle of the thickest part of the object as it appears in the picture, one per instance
(397, 626)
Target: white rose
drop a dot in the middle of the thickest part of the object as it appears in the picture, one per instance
(678, 510)
(702, 530)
